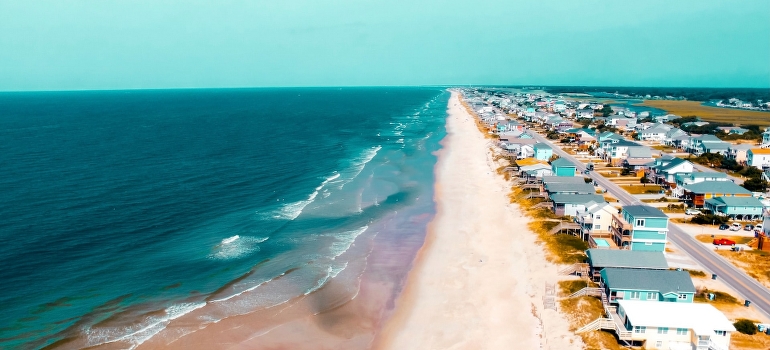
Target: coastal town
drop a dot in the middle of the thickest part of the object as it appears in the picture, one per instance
(658, 221)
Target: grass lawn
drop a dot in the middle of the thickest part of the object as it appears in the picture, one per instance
(737, 239)
(740, 341)
(664, 148)
(642, 189)
(668, 200)
(707, 113)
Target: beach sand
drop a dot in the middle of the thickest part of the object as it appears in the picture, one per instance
(478, 281)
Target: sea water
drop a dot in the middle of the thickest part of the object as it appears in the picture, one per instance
(121, 211)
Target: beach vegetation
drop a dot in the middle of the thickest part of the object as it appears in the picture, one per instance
(696, 273)
(583, 310)
(709, 113)
(745, 326)
(569, 287)
(702, 295)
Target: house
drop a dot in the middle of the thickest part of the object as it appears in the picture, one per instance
(656, 133)
(552, 188)
(675, 325)
(542, 151)
(637, 157)
(766, 138)
(732, 130)
(640, 227)
(584, 113)
(536, 171)
(758, 157)
(617, 151)
(571, 203)
(697, 193)
(599, 259)
(665, 169)
(595, 221)
(563, 167)
(672, 134)
(648, 285)
(707, 144)
(740, 208)
(739, 152)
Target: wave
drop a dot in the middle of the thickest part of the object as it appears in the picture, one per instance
(253, 287)
(331, 272)
(360, 162)
(291, 211)
(236, 246)
(344, 240)
(141, 332)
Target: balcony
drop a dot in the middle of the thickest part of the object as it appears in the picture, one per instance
(621, 229)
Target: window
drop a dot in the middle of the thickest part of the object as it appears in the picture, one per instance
(659, 344)
(662, 330)
(652, 296)
(640, 329)
(597, 227)
(639, 222)
(722, 333)
(647, 243)
(634, 295)
(682, 296)
(682, 331)
(661, 232)
(598, 217)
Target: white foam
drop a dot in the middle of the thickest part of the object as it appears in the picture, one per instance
(291, 211)
(247, 290)
(236, 247)
(344, 240)
(360, 162)
(331, 272)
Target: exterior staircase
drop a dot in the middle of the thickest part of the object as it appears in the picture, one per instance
(588, 291)
(581, 268)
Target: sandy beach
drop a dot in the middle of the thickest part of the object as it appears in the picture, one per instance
(478, 281)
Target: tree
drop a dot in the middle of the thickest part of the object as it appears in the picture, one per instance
(606, 111)
(755, 185)
(645, 180)
(751, 172)
(745, 326)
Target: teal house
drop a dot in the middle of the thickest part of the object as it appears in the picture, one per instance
(562, 167)
(640, 227)
(647, 285)
(542, 151)
(736, 207)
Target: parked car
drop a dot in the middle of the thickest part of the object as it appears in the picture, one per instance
(748, 227)
(724, 227)
(736, 227)
(691, 211)
(758, 228)
(723, 241)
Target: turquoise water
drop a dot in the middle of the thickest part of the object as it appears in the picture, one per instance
(602, 243)
(123, 210)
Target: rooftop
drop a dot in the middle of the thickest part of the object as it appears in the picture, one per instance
(572, 198)
(760, 150)
(561, 162)
(735, 202)
(627, 258)
(563, 179)
(675, 315)
(663, 281)
(583, 188)
(723, 187)
(644, 211)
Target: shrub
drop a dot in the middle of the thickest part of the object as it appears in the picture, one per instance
(703, 219)
(663, 200)
(745, 326)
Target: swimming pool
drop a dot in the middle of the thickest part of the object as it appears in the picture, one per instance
(601, 243)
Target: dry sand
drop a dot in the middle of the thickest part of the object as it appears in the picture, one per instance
(479, 280)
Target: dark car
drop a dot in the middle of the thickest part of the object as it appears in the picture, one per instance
(723, 241)
(724, 227)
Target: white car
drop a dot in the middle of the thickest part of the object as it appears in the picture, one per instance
(691, 211)
(736, 227)
(758, 228)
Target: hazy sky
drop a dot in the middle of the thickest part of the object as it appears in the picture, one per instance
(129, 44)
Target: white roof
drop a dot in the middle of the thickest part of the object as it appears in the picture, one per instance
(697, 316)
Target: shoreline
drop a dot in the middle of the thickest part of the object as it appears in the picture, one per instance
(479, 278)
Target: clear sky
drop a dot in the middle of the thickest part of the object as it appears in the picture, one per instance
(132, 44)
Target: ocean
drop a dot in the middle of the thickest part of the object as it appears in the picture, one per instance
(123, 212)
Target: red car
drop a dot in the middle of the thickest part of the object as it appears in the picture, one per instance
(723, 241)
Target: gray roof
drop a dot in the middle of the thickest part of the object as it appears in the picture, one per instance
(583, 188)
(743, 147)
(672, 164)
(663, 281)
(644, 211)
(626, 143)
(561, 162)
(716, 187)
(708, 138)
(626, 258)
(575, 198)
(541, 145)
(735, 202)
(563, 179)
(639, 152)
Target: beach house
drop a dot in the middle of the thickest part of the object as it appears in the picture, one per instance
(675, 325)
(665, 169)
(739, 152)
(696, 194)
(640, 227)
(563, 167)
(594, 223)
(543, 151)
(600, 259)
(758, 157)
(740, 208)
(656, 133)
(572, 203)
(647, 285)
(685, 179)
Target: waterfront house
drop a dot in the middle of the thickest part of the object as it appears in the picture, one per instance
(740, 208)
(599, 259)
(640, 227)
(758, 157)
(696, 194)
(563, 167)
(739, 152)
(647, 285)
(675, 326)
(543, 151)
(536, 170)
(594, 223)
(572, 203)
(655, 133)
(552, 188)
(732, 130)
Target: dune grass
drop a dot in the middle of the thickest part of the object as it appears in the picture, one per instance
(569, 287)
(583, 310)
(755, 263)
(708, 113)
(719, 297)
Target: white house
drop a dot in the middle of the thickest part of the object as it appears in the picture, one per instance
(758, 157)
(662, 325)
(739, 152)
(766, 138)
(595, 219)
(585, 113)
(655, 133)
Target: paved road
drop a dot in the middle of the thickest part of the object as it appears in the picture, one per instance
(747, 287)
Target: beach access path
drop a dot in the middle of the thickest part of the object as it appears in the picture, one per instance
(747, 287)
(479, 279)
